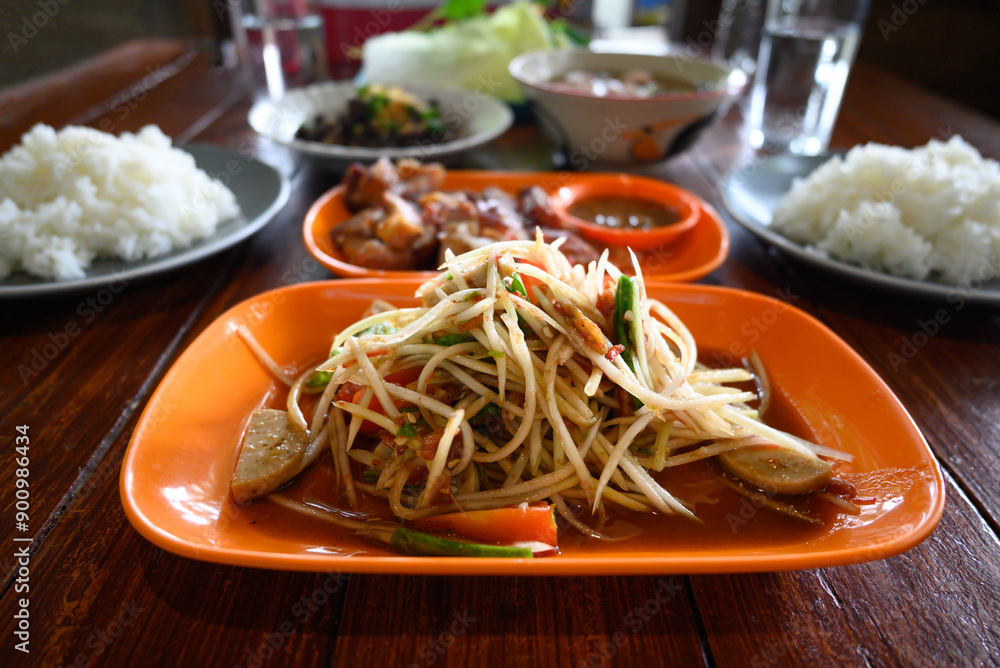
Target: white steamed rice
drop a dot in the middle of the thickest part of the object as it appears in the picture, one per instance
(71, 196)
(931, 212)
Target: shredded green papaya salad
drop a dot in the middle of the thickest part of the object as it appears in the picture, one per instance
(522, 390)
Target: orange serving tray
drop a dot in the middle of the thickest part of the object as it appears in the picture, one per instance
(697, 253)
(176, 473)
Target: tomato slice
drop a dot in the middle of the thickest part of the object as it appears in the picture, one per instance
(529, 282)
(503, 526)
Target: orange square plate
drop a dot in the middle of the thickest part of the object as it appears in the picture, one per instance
(175, 477)
(696, 253)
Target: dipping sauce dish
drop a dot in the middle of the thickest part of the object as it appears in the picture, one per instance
(614, 209)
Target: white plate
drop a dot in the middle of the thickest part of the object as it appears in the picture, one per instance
(752, 196)
(260, 190)
(481, 119)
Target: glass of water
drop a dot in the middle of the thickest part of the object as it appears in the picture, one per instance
(806, 52)
(283, 39)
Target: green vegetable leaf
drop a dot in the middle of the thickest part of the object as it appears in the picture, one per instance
(456, 10)
(515, 285)
(436, 125)
(407, 431)
(573, 34)
(453, 339)
(626, 300)
(319, 379)
(388, 126)
(377, 104)
(381, 329)
(487, 411)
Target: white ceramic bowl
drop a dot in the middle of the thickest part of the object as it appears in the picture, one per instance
(479, 118)
(589, 129)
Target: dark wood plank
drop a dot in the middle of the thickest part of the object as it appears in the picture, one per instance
(181, 105)
(112, 353)
(884, 103)
(59, 97)
(450, 621)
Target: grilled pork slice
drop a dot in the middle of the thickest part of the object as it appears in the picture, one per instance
(365, 186)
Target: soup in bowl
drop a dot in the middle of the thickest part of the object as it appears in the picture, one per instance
(623, 108)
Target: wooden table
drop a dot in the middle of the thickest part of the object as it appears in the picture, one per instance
(102, 595)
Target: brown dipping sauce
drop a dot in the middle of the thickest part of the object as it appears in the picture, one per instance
(626, 213)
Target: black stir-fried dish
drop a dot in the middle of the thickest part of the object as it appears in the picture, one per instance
(379, 117)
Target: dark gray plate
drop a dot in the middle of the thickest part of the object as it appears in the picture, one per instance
(751, 195)
(260, 190)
